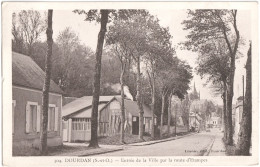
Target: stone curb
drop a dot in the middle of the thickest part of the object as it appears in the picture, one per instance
(209, 148)
(159, 141)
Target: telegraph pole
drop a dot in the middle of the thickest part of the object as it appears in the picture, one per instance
(175, 122)
(243, 91)
(195, 121)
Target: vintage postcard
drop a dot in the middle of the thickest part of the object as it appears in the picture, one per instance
(130, 83)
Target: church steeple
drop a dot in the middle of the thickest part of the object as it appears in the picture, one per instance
(194, 89)
(195, 95)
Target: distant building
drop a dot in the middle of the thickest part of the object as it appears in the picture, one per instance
(28, 80)
(194, 120)
(214, 122)
(199, 107)
(237, 116)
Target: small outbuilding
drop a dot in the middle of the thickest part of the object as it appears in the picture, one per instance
(76, 117)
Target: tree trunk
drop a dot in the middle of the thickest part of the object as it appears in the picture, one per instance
(244, 138)
(122, 104)
(169, 114)
(96, 89)
(225, 125)
(175, 128)
(45, 94)
(162, 112)
(230, 83)
(229, 140)
(139, 100)
(30, 51)
(188, 115)
(153, 103)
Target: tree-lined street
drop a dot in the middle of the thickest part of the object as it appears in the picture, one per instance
(139, 76)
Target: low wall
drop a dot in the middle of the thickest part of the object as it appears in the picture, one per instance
(35, 143)
(179, 129)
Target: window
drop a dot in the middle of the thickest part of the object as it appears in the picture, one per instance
(32, 117)
(53, 118)
(81, 124)
(13, 106)
(65, 124)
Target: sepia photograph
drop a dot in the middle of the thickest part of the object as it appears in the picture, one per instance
(88, 82)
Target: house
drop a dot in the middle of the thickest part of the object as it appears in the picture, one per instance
(76, 117)
(110, 117)
(199, 106)
(214, 122)
(194, 120)
(27, 84)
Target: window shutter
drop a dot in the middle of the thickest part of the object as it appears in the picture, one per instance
(27, 121)
(38, 118)
(56, 123)
(49, 119)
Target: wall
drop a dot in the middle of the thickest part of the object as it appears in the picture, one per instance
(237, 119)
(111, 110)
(179, 129)
(21, 96)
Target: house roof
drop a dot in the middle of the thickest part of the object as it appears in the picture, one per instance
(84, 113)
(26, 73)
(132, 107)
(82, 103)
(215, 118)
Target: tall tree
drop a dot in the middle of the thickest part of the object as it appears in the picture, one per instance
(209, 25)
(73, 64)
(214, 64)
(245, 132)
(185, 110)
(18, 41)
(159, 46)
(140, 33)
(134, 32)
(46, 88)
(97, 76)
(167, 75)
(121, 45)
(103, 18)
(27, 27)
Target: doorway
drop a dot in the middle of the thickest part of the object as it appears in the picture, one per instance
(135, 123)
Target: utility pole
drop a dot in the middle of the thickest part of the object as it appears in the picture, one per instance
(195, 121)
(175, 122)
(243, 91)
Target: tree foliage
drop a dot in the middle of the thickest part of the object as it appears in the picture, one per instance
(207, 26)
(27, 26)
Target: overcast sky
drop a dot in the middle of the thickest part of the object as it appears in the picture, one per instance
(88, 33)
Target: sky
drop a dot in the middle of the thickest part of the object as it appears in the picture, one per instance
(88, 33)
